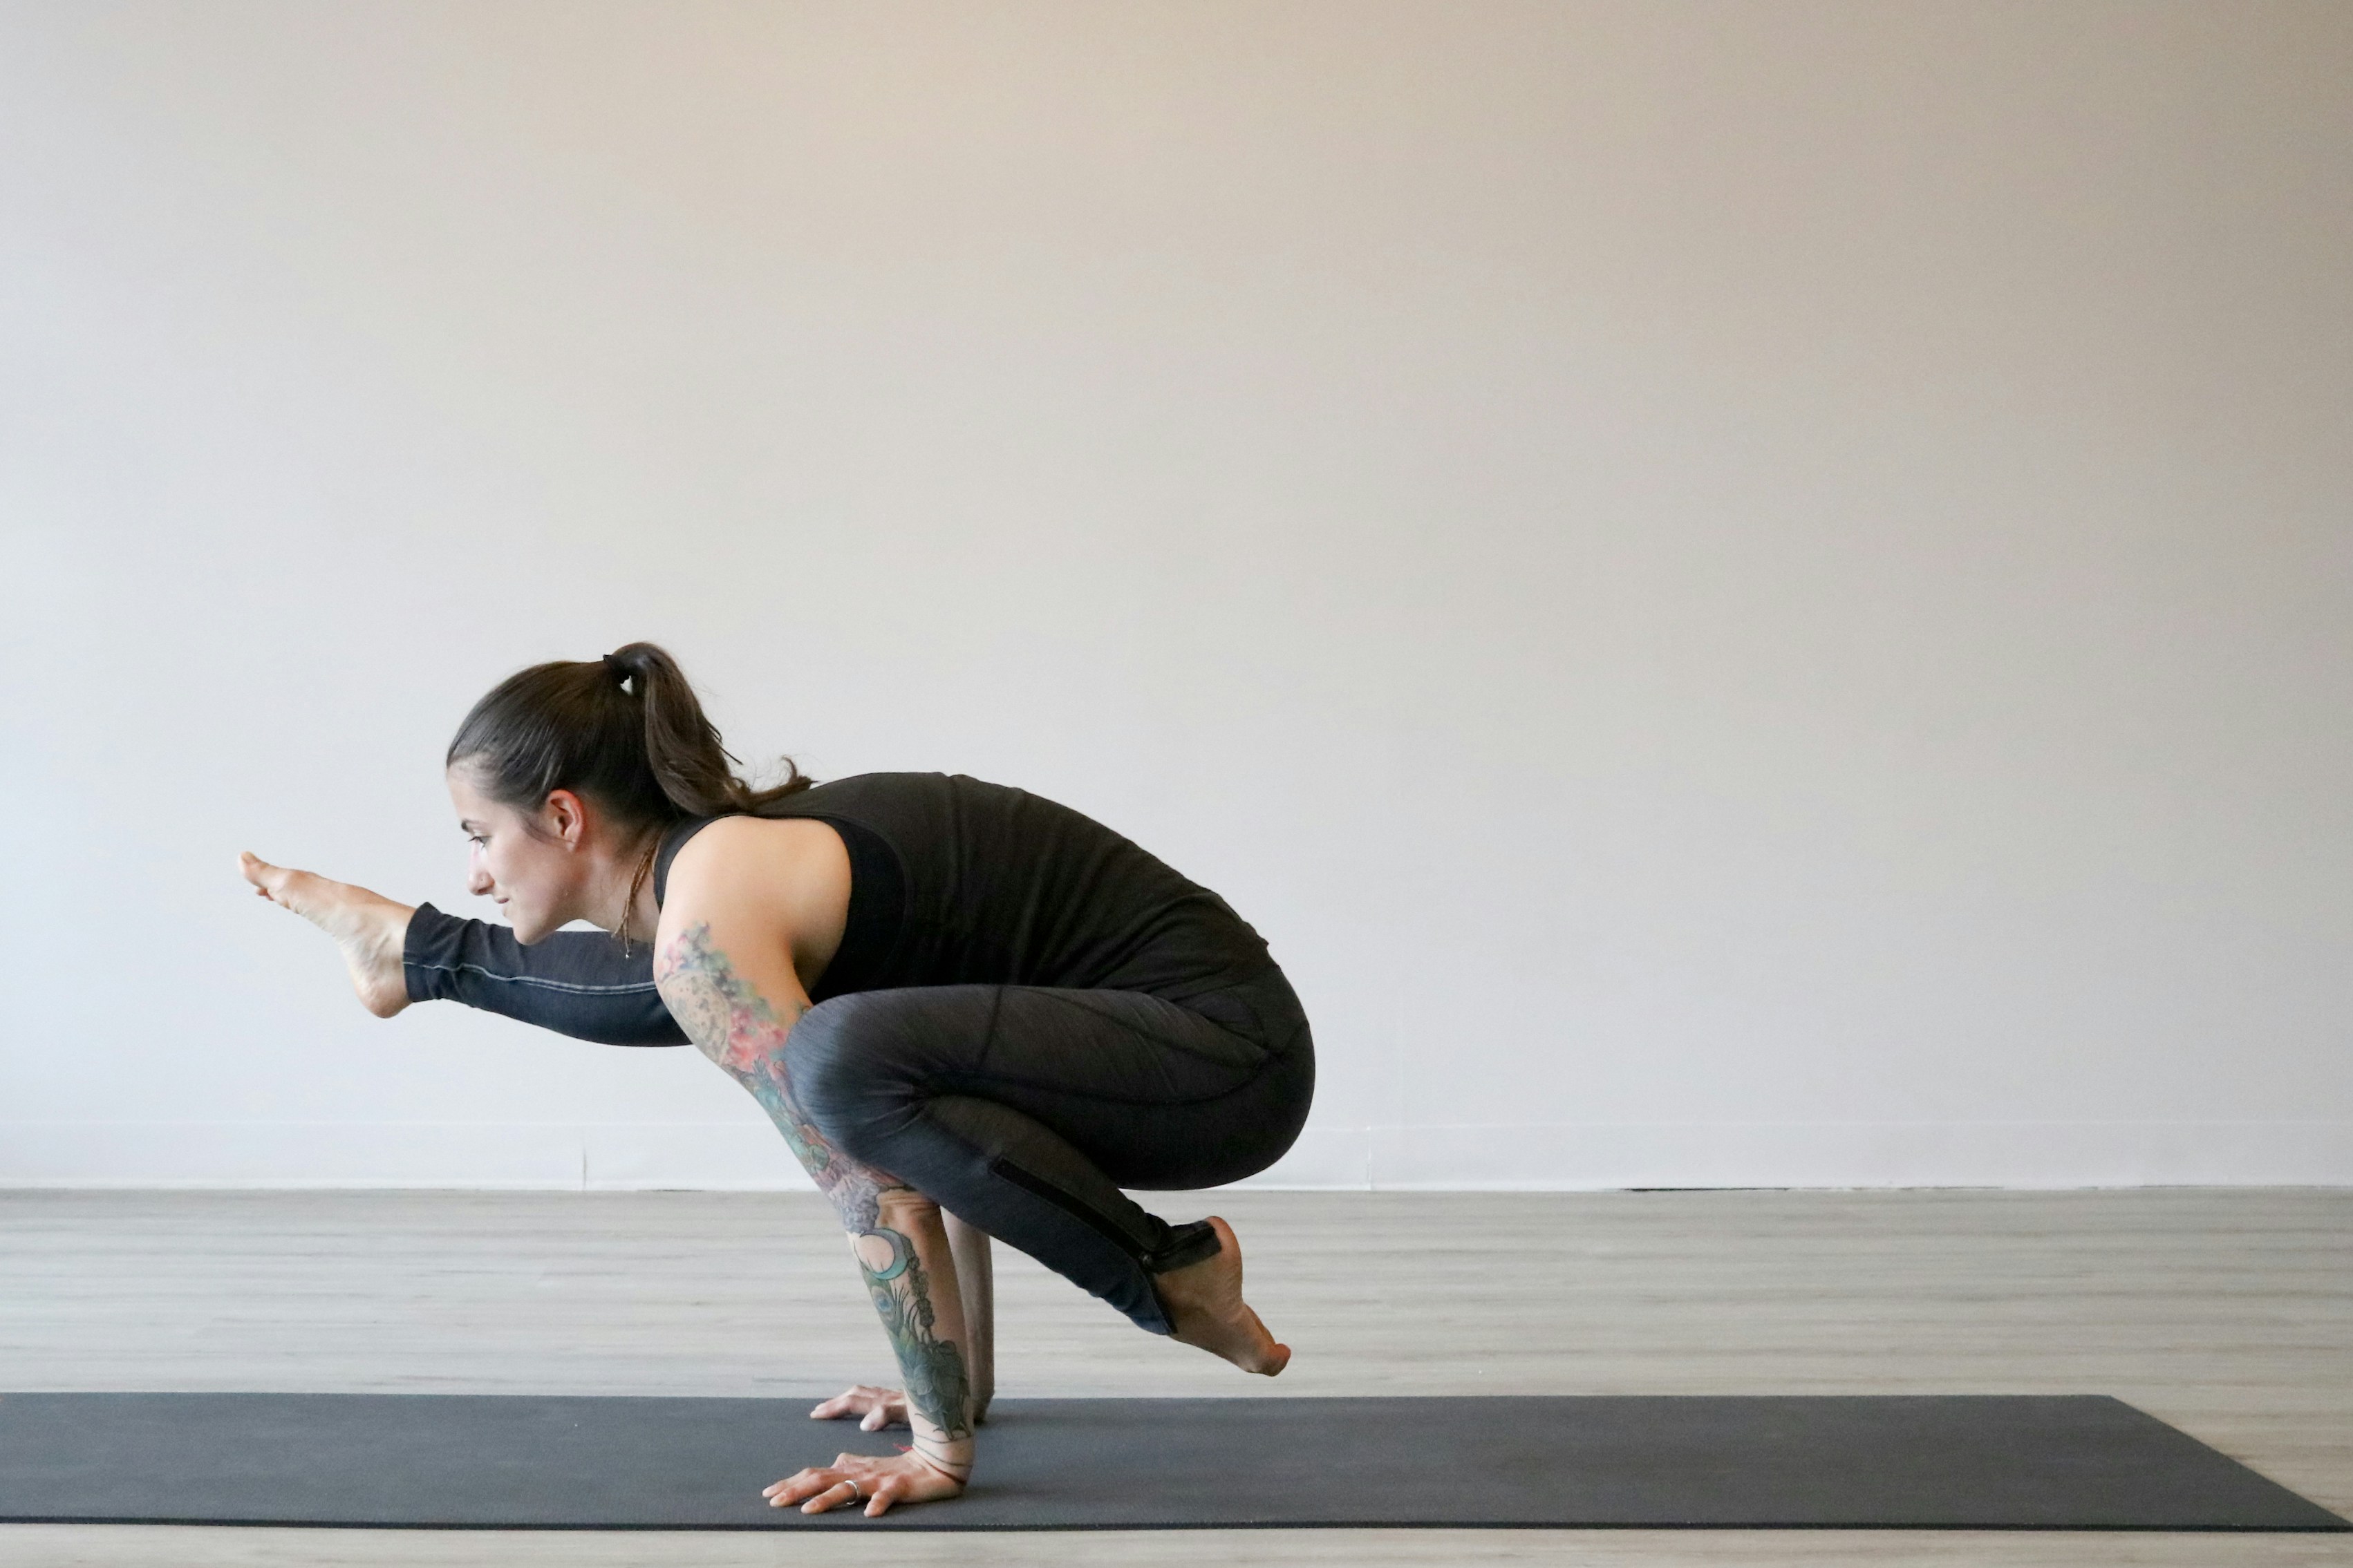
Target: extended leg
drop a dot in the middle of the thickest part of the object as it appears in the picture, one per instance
(576, 983)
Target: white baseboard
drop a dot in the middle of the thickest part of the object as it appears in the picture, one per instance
(747, 1155)
(503, 1155)
(2023, 1155)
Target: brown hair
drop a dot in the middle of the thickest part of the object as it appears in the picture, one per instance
(625, 730)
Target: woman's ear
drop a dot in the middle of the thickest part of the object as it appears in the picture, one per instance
(565, 816)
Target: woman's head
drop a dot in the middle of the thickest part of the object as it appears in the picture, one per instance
(568, 769)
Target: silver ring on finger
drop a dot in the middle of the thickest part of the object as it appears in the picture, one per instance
(855, 1495)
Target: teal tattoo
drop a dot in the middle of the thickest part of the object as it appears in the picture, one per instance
(902, 1255)
(937, 1386)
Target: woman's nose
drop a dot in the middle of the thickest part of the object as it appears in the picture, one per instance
(478, 882)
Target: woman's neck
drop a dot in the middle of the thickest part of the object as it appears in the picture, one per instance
(620, 889)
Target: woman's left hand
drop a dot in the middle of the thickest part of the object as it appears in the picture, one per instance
(875, 1407)
(877, 1482)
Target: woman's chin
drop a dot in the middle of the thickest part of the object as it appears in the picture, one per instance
(528, 930)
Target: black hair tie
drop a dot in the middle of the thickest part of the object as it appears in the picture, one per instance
(619, 671)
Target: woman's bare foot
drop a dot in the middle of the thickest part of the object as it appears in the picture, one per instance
(368, 927)
(1205, 1309)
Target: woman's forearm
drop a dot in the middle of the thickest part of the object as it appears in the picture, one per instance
(976, 1285)
(910, 1275)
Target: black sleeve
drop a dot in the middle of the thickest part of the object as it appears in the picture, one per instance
(576, 983)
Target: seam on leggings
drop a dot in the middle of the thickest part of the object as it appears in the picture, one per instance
(543, 984)
(961, 1082)
(1086, 1214)
(1154, 1034)
(989, 1030)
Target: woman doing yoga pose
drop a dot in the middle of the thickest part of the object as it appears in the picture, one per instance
(971, 1011)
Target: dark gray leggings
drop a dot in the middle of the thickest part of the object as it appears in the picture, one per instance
(1021, 1109)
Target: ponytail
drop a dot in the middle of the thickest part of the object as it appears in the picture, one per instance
(625, 730)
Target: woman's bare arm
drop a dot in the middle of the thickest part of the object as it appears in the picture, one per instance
(977, 1284)
(725, 970)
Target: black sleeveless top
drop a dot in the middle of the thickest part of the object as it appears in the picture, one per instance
(956, 882)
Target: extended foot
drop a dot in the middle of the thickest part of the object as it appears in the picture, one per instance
(368, 927)
(1205, 1309)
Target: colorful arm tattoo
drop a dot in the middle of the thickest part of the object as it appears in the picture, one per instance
(738, 1029)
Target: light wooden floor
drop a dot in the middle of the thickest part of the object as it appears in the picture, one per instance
(2228, 1313)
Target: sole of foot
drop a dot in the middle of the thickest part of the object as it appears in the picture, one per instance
(1205, 1309)
(368, 928)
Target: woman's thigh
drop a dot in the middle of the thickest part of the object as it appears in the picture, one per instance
(1156, 1093)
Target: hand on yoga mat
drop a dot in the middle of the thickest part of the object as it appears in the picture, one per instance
(876, 1407)
(854, 1477)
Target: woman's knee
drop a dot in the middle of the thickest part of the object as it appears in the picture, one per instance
(838, 1067)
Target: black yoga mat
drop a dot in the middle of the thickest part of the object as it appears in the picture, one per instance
(520, 1463)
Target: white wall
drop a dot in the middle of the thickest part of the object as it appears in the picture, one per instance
(1747, 593)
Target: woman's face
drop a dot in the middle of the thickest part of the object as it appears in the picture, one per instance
(534, 875)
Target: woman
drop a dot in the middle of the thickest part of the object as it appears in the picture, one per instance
(970, 1011)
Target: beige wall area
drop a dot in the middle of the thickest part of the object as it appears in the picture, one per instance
(1747, 594)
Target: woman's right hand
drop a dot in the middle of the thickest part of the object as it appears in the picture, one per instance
(875, 1407)
(877, 1483)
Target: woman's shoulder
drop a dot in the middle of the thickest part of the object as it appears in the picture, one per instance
(745, 849)
(787, 880)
